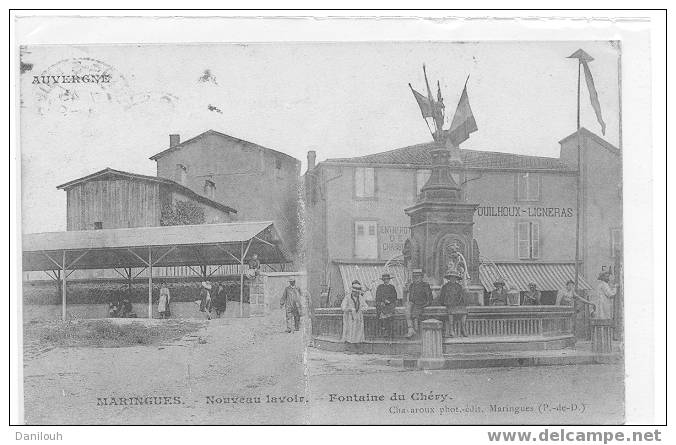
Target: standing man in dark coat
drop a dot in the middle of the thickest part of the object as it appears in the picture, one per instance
(290, 302)
(453, 296)
(419, 296)
(386, 302)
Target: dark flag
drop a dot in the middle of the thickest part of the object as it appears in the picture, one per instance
(426, 107)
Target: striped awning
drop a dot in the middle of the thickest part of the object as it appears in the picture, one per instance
(547, 276)
(369, 277)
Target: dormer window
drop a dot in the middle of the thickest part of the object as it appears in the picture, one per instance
(209, 189)
(181, 174)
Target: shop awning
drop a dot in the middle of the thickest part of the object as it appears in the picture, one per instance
(369, 276)
(547, 276)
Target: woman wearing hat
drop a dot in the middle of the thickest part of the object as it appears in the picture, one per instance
(605, 294)
(532, 297)
(353, 315)
(205, 299)
(453, 296)
(500, 296)
(386, 302)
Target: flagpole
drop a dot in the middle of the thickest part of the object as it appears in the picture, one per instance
(579, 175)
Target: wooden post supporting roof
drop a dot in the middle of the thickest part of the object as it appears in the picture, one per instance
(64, 277)
(150, 282)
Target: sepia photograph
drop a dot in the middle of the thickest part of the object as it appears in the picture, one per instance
(319, 232)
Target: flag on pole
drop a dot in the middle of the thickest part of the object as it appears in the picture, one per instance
(463, 122)
(593, 95)
(426, 107)
(584, 59)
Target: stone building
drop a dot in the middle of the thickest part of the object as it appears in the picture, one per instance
(524, 223)
(261, 183)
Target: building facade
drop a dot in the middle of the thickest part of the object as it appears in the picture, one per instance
(525, 222)
(261, 183)
(113, 199)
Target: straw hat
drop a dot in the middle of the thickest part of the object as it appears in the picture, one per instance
(498, 282)
(386, 276)
(356, 285)
(417, 271)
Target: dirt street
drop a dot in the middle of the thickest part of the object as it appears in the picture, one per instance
(249, 371)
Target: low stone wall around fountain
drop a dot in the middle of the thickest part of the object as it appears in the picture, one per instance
(490, 329)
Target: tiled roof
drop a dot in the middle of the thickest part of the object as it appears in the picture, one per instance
(419, 155)
(173, 184)
(156, 156)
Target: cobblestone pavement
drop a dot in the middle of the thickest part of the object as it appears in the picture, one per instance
(238, 371)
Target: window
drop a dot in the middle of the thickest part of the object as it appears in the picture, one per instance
(528, 240)
(98, 225)
(181, 174)
(209, 189)
(421, 177)
(364, 183)
(615, 242)
(366, 239)
(528, 187)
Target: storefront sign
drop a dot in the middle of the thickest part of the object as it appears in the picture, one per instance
(526, 212)
(392, 240)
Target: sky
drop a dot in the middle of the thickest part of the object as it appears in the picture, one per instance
(340, 99)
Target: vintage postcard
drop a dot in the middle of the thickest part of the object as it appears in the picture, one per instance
(375, 232)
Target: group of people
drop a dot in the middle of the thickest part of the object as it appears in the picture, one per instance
(454, 296)
(502, 296)
(213, 299)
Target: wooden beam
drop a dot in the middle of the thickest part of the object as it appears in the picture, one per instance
(76, 259)
(120, 273)
(229, 253)
(137, 256)
(171, 249)
(263, 241)
(60, 266)
(140, 272)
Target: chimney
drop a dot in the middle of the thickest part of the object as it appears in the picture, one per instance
(311, 158)
(174, 139)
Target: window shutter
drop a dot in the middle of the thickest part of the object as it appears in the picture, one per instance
(523, 242)
(535, 240)
(522, 186)
(369, 182)
(359, 182)
(533, 188)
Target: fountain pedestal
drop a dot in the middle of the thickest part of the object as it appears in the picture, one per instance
(442, 223)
